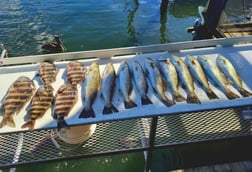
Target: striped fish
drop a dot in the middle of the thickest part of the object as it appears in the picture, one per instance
(41, 102)
(48, 72)
(18, 94)
(75, 72)
(65, 98)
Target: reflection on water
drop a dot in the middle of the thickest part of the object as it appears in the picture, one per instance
(85, 25)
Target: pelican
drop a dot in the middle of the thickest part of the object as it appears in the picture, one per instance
(54, 47)
(4, 53)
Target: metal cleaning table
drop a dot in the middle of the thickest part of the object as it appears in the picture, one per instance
(143, 128)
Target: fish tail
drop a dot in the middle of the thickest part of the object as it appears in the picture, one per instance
(87, 113)
(244, 92)
(29, 124)
(145, 100)
(108, 109)
(61, 123)
(168, 102)
(230, 95)
(178, 97)
(8, 120)
(193, 98)
(129, 104)
(211, 94)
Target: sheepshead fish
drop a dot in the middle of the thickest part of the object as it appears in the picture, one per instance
(75, 72)
(229, 71)
(125, 85)
(156, 81)
(171, 77)
(48, 72)
(141, 83)
(41, 102)
(18, 94)
(91, 89)
(199, 74)
(107, 88)
(186, 79)
(216, 76)
(65, 99)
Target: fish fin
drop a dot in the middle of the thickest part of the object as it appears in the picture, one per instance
(244, 92)
(109, 109)
(87, 113)
(129, 104)
(61, 123)
(192, 98)
(8, 120)
(145, 100)
(29, 124)
(230, 95)
(211, 94)
(178, 97)
(168, 102)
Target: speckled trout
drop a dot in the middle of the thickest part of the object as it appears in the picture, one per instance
(199, 74)
(229, 71)
(108, 87)
(92, 87)
(171, 77)
(216, 76)
(156, 81)
(125, 85)
(141, 83)
(186, 79)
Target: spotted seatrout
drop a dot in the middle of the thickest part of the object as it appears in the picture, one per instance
(140, 81)
(229, 71)
(65, 99)
(41, 102)
(18, 94)
(171, 77)
(48, 72)
(186, 79)
(75, 71)
(216, 76)
(108, 87)
(156, 81)
(92, 87)
(199, 74)
(125, 85)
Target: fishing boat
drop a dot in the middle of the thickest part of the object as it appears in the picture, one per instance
(223, 19)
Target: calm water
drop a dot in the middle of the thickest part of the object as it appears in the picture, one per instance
(84, 25)
(87, 25)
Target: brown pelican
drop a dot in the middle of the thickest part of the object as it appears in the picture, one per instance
(54, 47)
(4, 53)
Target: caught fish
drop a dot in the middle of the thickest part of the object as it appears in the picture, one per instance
(125, 85)
(41, 102)
(141, 83)
(91, 89)
(171, 77)
(229, 71)
(216, 76)
(65, 99)
(107, 88)
(199, 74)
(75, 72)
(18, 94)
(186, 79)
(48, 72)
(156, 81)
